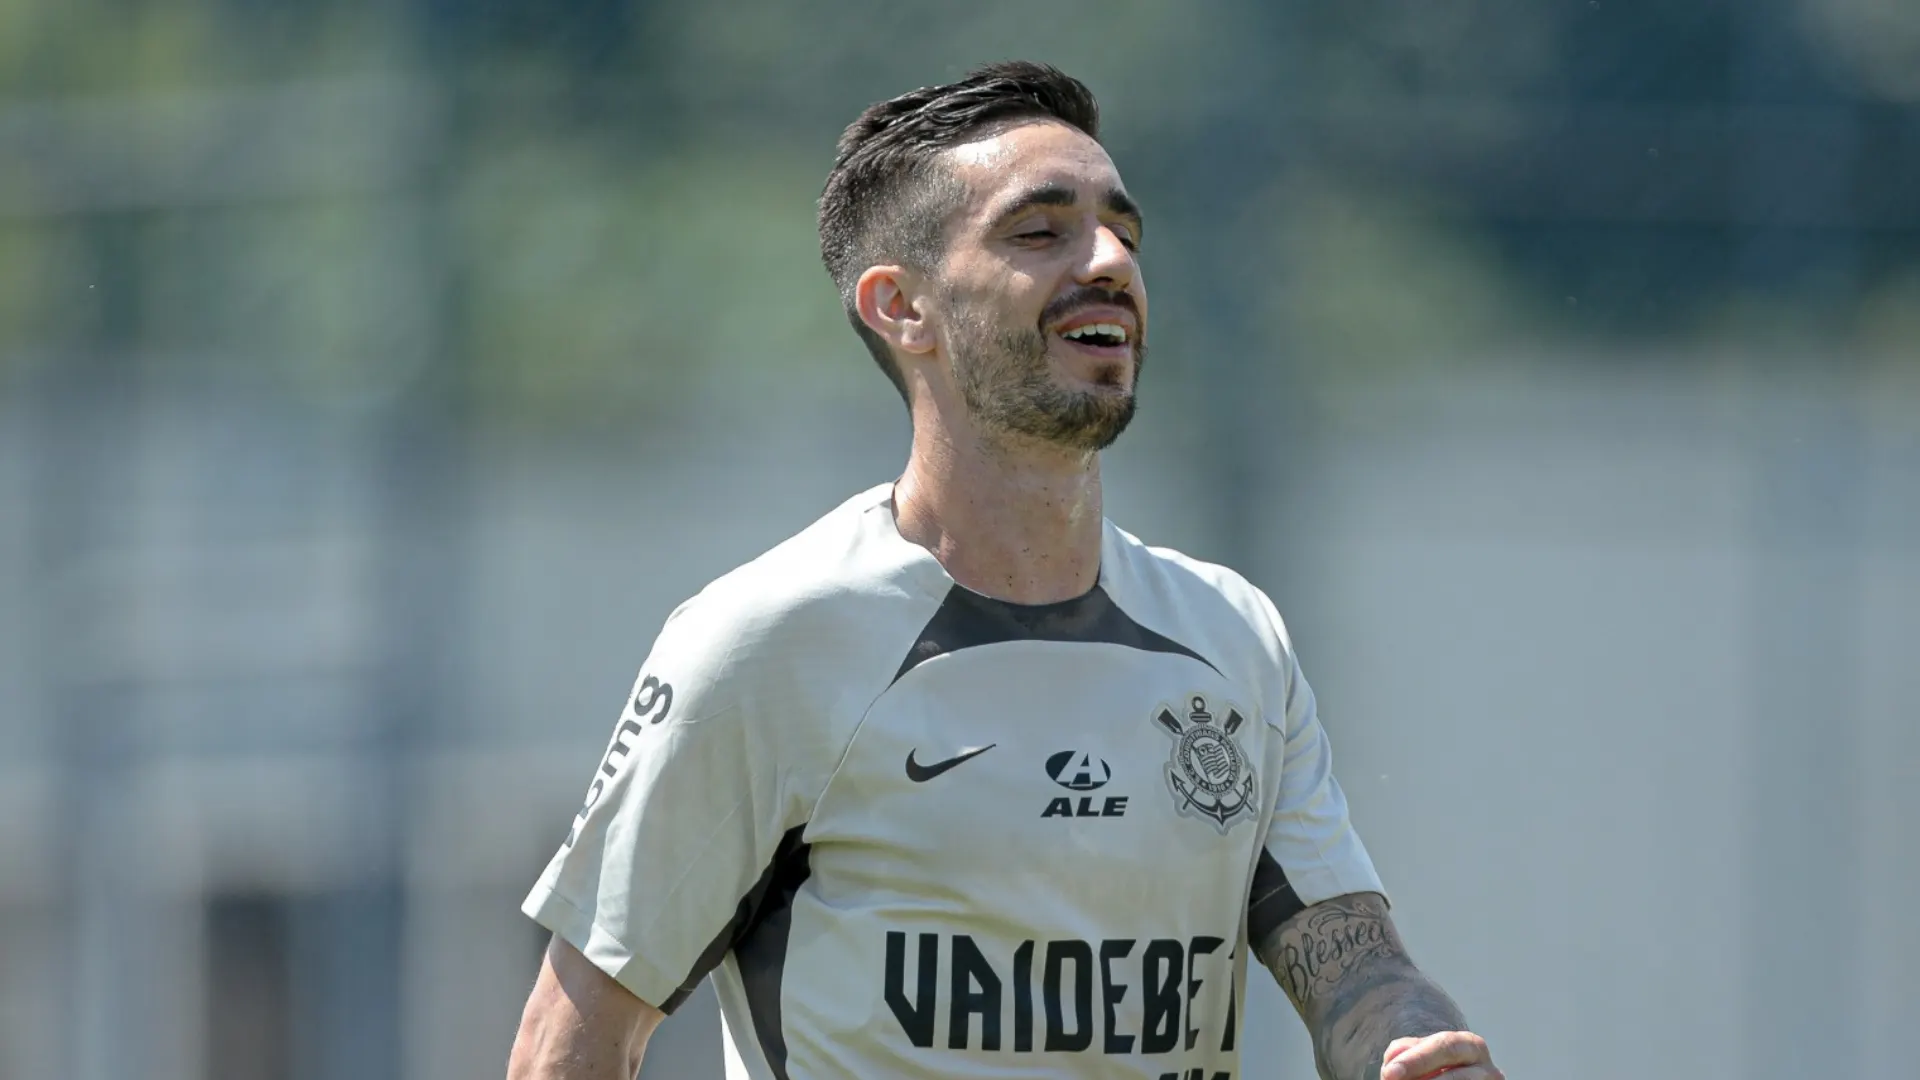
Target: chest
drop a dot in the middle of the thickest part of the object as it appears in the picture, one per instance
(1104, 766)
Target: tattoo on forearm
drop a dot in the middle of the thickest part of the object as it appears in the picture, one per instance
(1342, 964)
(1331, 942)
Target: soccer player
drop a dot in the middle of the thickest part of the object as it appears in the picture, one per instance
(962, 780)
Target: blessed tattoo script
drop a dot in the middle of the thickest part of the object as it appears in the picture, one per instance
(1344, 966)
(1327, 946)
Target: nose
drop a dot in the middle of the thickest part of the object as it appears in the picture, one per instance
(1109, 262)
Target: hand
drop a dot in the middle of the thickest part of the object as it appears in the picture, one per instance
(1458, 1055)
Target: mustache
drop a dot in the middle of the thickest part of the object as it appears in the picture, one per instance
(1088, 296)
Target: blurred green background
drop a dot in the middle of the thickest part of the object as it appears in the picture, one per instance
(375, 378)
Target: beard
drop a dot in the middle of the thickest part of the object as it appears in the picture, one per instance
(1008, 385)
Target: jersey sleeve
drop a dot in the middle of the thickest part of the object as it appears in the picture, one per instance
(701, 791)
(1312, 852)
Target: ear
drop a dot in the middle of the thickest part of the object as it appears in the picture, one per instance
(887, 301)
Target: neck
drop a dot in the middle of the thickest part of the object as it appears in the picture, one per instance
(1016, 520)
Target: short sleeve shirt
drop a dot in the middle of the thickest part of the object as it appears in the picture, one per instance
(914, 831)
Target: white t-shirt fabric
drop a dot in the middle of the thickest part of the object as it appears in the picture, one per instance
(913, 831)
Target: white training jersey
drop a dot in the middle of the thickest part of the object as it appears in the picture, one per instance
(916, 832)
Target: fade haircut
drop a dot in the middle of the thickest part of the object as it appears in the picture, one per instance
(887, 199)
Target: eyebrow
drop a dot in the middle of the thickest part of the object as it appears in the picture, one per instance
(1115, 201)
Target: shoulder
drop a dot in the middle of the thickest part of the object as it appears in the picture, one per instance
(1192, 589)
(815, 618)
(1212, 608)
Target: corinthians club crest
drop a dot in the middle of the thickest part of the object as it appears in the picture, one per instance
(1210, 775)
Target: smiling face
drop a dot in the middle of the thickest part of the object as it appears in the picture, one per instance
(1042, 311)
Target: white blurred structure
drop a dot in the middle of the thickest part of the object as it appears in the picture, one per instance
(1618, 670)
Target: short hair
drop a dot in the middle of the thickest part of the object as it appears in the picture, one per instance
(885, 200)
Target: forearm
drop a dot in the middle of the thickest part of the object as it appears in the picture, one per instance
(548, 1048)
(1343, 966)
(579, 1024)
(1349, 1042)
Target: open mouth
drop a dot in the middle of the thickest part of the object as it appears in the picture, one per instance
(1102, 337)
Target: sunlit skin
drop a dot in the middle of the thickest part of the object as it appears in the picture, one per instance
(1003, 481)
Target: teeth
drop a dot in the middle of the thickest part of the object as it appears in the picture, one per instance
(1112, 330)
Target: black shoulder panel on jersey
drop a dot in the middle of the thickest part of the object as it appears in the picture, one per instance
(757, 936)
(1271, 901)
(761, 951)
(967, 619)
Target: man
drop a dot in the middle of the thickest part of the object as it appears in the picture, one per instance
(963, 780)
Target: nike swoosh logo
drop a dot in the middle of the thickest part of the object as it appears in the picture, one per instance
(920, 774)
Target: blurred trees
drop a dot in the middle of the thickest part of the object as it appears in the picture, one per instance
(592, 207)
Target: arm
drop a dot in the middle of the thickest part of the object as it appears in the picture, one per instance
(579, 1024)
(1342, 964)
(703, 788)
